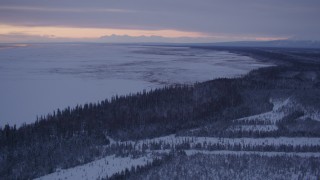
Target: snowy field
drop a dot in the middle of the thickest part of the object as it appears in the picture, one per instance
(39, 78)
(102, 168)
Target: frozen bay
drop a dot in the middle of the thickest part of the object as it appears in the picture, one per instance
(39, 78)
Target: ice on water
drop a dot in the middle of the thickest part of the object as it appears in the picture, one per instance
(39, 78)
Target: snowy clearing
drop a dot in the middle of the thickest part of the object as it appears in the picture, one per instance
(280, 109)
(98, 169)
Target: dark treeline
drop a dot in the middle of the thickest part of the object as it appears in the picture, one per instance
(147, 114)
(128, 149)
(72, 136)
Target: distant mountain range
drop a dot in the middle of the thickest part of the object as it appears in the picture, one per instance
(277, 43)
(158, 40)
(150, 39)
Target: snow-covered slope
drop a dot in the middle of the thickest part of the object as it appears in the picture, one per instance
(101, 168)
(266, 122)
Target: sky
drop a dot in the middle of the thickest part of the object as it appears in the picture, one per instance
(158, 20)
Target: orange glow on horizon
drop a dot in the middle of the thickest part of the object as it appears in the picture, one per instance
(13, 33)
(77, 32)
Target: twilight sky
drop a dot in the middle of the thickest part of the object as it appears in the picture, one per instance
(164, 20)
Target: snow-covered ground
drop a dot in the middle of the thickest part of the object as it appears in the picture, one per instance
(39, 78)
(280, 109)
(101, 168)
(110, 165)
(267, 121)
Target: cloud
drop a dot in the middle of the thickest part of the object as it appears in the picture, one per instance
(19, 37)
(65, 10)
(78, 32)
